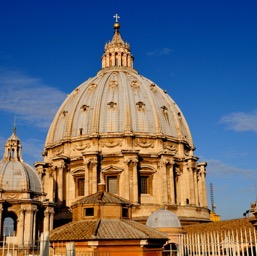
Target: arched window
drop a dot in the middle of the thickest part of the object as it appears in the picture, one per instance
(8, 226)
(170, 250)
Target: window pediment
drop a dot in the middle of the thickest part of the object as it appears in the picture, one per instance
(112, 170)
(78, 172)
(147, 169)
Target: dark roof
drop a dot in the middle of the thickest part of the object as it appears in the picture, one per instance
(220, 227)
(103, 229)
(102, 197)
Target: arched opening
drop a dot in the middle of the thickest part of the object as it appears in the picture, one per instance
(170, 249)
(10, 225)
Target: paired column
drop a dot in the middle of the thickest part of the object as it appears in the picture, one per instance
(90, 174)
(131, 177)
(26, 231)
(166, 179)
(48, 218)
(202, 184)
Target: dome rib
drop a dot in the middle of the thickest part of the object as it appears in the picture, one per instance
(125, 116)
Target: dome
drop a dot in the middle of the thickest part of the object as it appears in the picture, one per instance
(163, 219)
(121, 129)
(118, 101)
(15, 174)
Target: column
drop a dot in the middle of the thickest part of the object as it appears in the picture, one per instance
(170, 182)
(178, 173)
(134, 183)
(28, 228)
(119, 59)
(113, 59)
(60, 179)
(94, 182)
(204, 192)
(197, 203)
(91, 165)
(202, 185)
(162, 181)
(1, 220)
(46, 220)
(86, 163)
(131, 178)
(21, 226)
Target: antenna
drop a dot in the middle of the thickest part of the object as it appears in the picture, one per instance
(213, 207)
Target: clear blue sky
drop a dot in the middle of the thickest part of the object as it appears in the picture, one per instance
(204, 53)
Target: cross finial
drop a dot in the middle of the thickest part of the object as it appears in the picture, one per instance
(14, 125)
(116, 16)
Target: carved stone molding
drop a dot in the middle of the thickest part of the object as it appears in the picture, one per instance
(59, 165)
(153, 87)
(11, 196)
(112, 169)
(92, 86)
(165, 161)
(178, 171)
(140, 106)
(131, 160)
(113, 83)
(112, 105)
(111, 143)
(81, 146)
(58, 151)
(91, 160)
(134, 84)
(144, 143)
(170, 147)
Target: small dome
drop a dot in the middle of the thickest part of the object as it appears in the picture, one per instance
(18, 176)
(163, 219)
(15, 174)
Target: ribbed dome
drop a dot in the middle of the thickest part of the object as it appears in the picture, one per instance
(118, 101)
(163, 219)
(18, 176)
(15, 174)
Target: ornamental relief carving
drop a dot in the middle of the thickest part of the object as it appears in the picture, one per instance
(92, 86)
(153, 87)
(144, 143)
(111, 143)
(81, 146)
(59, 165)
(134, 84)
(170, 147)
(113, 83)
(186, 151)
(58, 151)
(11, 196)
(92, 160)
(165, 161)
(133, 160)
(178, 171)
(112, 169)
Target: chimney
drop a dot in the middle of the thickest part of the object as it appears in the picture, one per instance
(101, 187)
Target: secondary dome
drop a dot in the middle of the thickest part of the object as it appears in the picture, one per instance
(118, 101)
(15, 174)
(163, 219)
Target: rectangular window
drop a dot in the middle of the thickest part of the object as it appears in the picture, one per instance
(144, 184)
(89, 211)
(81, 186)
(125, 212)
(112, 185)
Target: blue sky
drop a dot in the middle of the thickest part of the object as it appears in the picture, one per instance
(204, 53)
